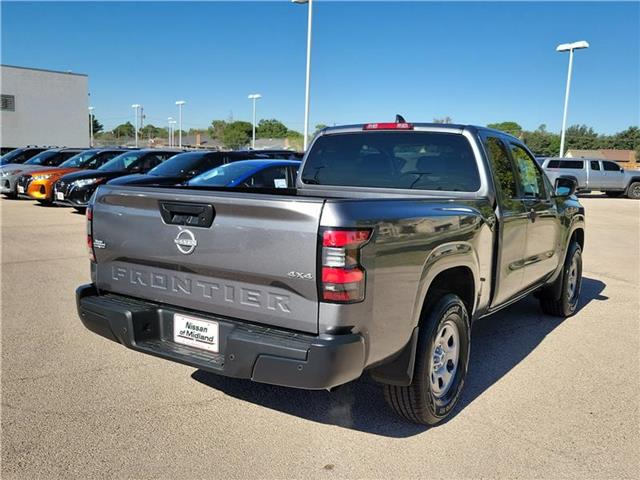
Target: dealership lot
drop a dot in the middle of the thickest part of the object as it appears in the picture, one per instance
(545, 395)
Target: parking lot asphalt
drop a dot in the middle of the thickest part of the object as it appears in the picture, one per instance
(545, 397)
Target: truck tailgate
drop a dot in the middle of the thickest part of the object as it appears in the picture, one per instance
(256, 261)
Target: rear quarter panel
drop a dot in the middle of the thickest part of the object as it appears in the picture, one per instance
(414, 240)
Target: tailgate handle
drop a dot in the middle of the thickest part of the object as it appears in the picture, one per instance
(189, 214)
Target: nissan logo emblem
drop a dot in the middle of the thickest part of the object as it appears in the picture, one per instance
(186, 242)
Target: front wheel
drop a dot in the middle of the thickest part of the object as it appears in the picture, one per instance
(634, 191)
(442, 358)
(571, 279)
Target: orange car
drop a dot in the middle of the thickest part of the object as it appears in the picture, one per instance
(38, 185)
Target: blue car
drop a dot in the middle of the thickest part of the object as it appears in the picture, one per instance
(250, 173)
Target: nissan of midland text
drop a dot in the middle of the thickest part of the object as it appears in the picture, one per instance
(395, 239)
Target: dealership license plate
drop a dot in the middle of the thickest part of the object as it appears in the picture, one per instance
(60, 195)
(195, 332)
(20, 189)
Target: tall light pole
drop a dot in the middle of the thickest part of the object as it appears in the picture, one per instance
(568, 47)
(254, 97)
(169, 137)
(308, 81)
(172, 130)
(91, 109)
(180, 103)
(136, 107)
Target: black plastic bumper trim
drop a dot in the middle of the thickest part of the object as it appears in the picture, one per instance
(260, 353)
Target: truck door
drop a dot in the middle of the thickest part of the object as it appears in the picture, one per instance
(613, 176)
(543, 228)
(512, 228)
(596, 178)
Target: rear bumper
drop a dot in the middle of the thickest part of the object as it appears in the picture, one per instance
(259, 353)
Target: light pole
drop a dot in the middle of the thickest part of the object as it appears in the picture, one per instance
(568, 47)
(172, 130)
(169, 120)
(91, 109)
(180, 103)
(308, 80)
(135, 107)
(254, 97)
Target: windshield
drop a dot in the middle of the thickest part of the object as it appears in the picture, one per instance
(391, 159)
(80, 159)
(121, 162)
(224, 174)
(14, 156)
(42, 158)
(179, 165)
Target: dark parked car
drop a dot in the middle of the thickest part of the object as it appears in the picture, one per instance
(184, 166)
(20, 155)
(280, 154)
(250, 173)
(75, 189)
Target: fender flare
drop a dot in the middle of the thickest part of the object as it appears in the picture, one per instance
(446, 257)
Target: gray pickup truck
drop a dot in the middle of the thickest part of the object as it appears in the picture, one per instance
(595, 174)
(396, 238)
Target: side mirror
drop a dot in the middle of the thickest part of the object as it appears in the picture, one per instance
(565, 187)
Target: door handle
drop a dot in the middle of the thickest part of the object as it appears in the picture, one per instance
(532, 215)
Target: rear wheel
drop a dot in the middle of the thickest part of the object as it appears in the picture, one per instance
(634, 191)
(571, 279)
(442, 358)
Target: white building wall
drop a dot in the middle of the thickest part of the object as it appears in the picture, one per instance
(51, 108)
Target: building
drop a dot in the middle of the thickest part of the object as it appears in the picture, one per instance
(626, 158)
(43, 107)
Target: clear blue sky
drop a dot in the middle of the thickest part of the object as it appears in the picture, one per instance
(475, 62)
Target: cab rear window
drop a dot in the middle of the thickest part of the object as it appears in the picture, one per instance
(403, 160)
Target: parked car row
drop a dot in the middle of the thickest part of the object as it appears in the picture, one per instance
(70, 176)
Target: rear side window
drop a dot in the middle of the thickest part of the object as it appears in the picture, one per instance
(572, 164)
(502, 168)
(611, 167)
(407, 160)
(595, 165)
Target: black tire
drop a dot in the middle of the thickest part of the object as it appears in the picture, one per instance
(634, 191)
(419, 402)
(45, 203)
(80, 209)
(613, 194)
(567, 304)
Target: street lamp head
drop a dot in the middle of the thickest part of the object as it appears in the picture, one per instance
(255, 96)
(180, 102)
(566, 47)
(169, 118)
(135, 105)
(300, 1)
(91, 109)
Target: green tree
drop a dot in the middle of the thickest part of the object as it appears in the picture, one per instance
(236, 134)
(511, 128)
(97, 126)
(124, 130)
(216, 130)
(320, 126)
(541, 142)
(271, 129)
(150, 131)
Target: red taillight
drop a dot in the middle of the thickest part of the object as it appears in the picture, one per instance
(343, 278)
(92, 253)
(388, 126)
(344, 238)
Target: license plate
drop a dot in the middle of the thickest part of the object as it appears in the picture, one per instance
(60, 195)
(195, 332)
(20, 189)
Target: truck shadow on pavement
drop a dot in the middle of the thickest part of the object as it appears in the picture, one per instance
(499, 343)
